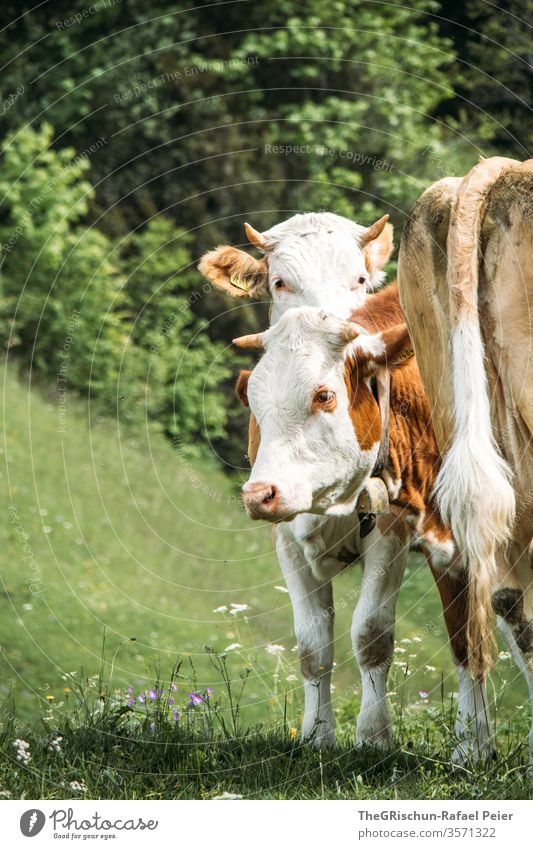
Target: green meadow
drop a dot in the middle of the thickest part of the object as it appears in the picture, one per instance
(127, 565)
(110, 535)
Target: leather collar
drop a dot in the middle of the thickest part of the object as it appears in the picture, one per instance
(381, 390)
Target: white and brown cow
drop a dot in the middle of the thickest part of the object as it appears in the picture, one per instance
(466, 283)
(314, 398)
(312, 259)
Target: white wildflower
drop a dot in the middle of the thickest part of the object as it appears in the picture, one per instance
(429, 668)
(274, 648)
(504, 655)
(78, 787)
(238, 608)
(406, 641)
(222, 609)
(233, 647)
(226, 797)
(291, 678)
(55, 744)
(398, 650)
(281, 589)
(23, 753)
(417, 639)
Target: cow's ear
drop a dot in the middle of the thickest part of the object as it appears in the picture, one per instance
(235, 272)
(241, 387)
(377, 252)
(398, 348)
(390, 348)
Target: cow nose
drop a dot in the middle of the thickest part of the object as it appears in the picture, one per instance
(260, 499)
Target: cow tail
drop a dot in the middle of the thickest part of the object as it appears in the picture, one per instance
(473, 487)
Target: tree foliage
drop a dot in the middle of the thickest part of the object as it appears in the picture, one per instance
(108, 319)
(175, 123)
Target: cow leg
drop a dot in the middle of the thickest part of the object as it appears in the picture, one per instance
(312, 604)
(385, 552)
(472, 724)
(516, 628)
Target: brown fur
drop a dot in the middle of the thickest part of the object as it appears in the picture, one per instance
(225, 262)
(254, 435)
(413, 452)
(453, 591)
(380, 310)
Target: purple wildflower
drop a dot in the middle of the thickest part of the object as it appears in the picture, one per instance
(153, 695)
(141, 699)
(209, 691)
(423, 694)
(171, 700)
(176, 715)
(195, 699)
(173, 686)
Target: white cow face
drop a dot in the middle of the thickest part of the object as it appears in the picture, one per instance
(320, 424)
(320, 260)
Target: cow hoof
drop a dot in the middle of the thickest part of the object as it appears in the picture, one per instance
(319, 742)
(376, 739)
(469, 752)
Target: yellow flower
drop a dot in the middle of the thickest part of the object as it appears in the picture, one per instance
(66, 690)
(293, 733)
(50, 698)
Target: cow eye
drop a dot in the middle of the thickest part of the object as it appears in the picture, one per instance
(324, 401)
(278, 283)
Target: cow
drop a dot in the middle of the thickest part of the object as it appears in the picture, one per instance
(312, 259)
(466, 283)
(315, 396)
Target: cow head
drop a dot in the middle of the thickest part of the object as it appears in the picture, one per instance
(314, 259)
(320, 423)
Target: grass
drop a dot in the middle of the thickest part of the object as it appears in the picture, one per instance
(111, 531)
(107, 744)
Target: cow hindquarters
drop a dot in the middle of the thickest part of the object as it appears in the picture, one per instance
(312, 604)
(472, 725)
(385, 554)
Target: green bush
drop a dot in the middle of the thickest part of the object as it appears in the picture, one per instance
(113, 322)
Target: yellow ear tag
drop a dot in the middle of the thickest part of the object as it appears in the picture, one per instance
(403, 356)
(239, 283)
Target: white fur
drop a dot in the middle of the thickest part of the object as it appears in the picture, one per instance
(313, 627)
(369, 344)
(472, 725)
(385, 559)
(442, 552)
(473, 487)
(319, 258)
(313, 459)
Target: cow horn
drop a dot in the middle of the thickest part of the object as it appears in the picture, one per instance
(255, 237)
(374, 230)
(252, 340)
